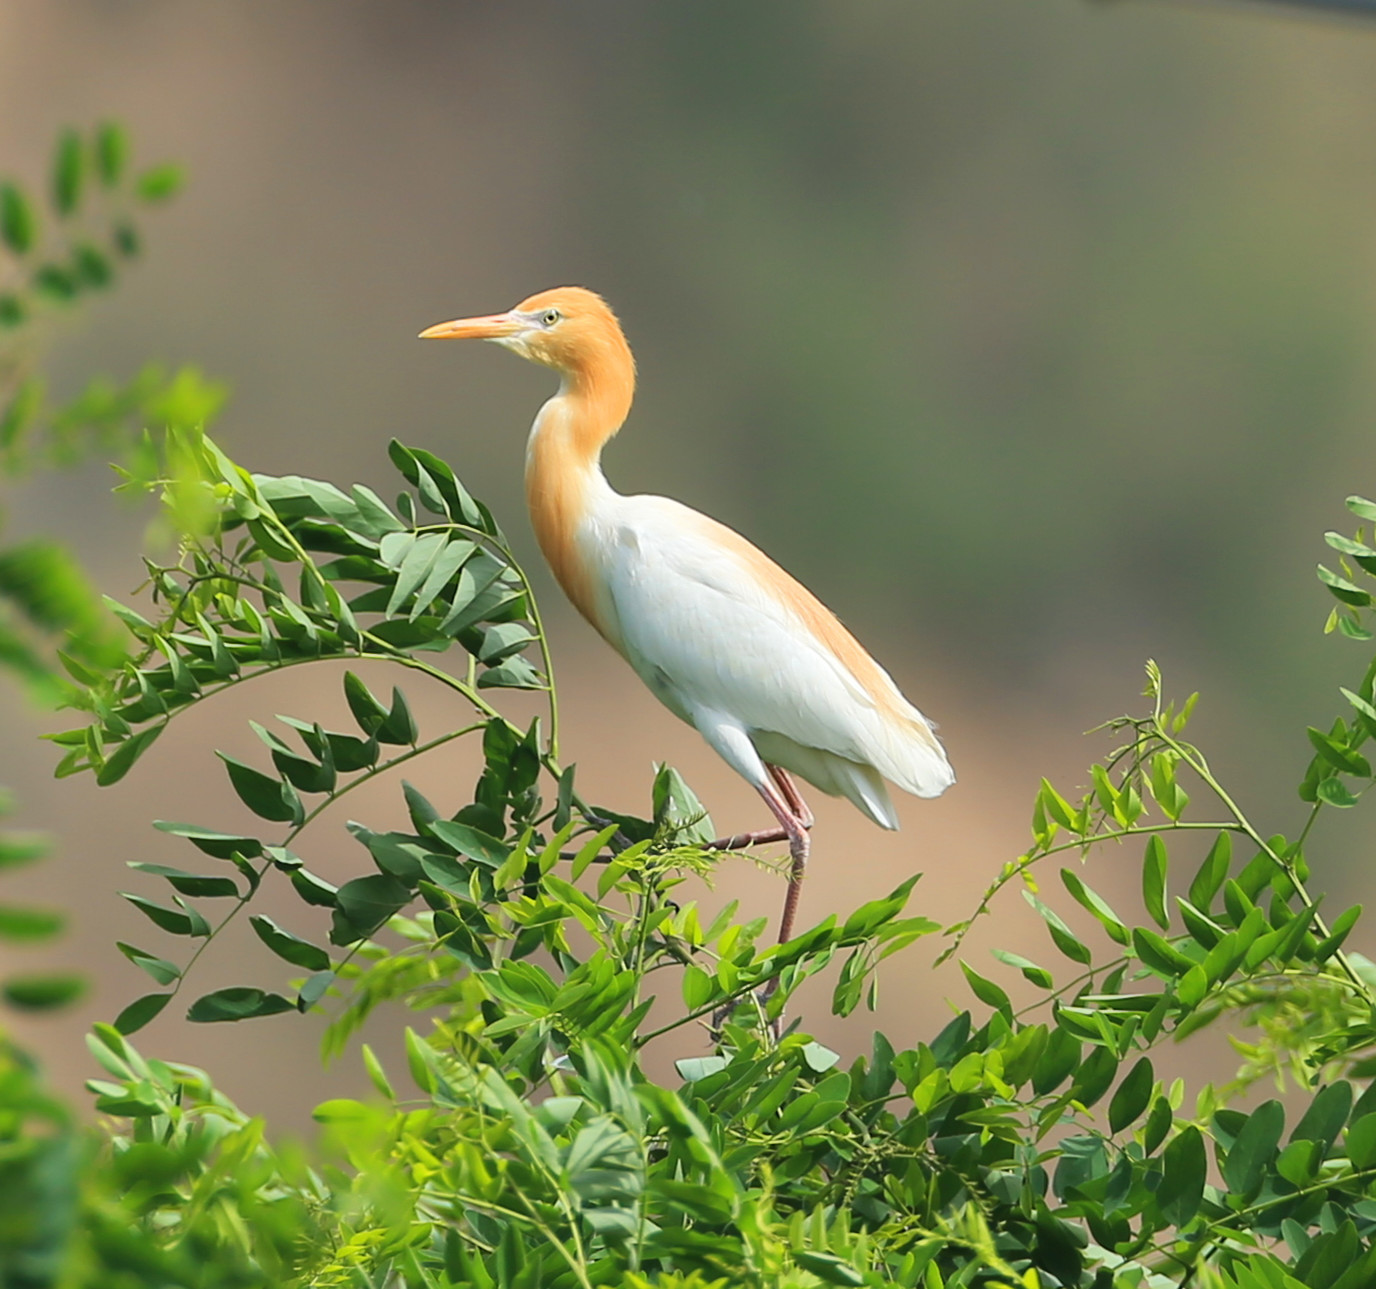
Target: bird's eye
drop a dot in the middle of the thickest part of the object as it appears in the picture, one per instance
(550, 317)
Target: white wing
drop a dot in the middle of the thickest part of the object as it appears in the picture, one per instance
(700, 616)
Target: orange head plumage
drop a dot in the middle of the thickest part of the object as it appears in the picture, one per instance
(568, 328)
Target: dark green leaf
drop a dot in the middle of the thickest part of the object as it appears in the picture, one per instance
(367, 711)
(162, 971)
(42, 992)
(267, 797)
(185, 922)
(828, 1268)
(18, 225)
(236, 1003)
(1094, 1077)
(1339, 754)
(471, 842)
(314, 890)
(112, 153)
(29, 923)
(1254, 1148)
(1212, 872)
(189, 883)
(1132, 1096)
(1154, 864)
(122, 759)
(1182, 1188)
(1158, 1124)
(1361, 1142)
(399, 726)
(291, 948)
(367, 902)
(1326, 1115)
(68, 173)
(220, 845)
(134, 1017)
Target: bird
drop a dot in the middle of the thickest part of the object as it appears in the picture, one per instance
(722, 636)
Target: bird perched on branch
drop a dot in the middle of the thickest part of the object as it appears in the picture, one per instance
(724, 638)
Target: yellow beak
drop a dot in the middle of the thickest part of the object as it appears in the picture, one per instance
(492, 326)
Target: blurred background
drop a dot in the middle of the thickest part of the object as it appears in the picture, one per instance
(1036, 336)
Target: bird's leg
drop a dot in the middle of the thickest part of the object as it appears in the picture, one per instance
(794, 818)
(788, 807)
(792, 795)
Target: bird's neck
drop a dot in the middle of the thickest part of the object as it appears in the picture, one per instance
(564, 479)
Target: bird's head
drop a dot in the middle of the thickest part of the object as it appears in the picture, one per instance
(568, 328)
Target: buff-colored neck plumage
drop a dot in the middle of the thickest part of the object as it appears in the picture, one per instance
(563, 471)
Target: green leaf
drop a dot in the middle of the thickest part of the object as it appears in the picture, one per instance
(267, 797)
(1038, 976)
(43, 992)
(220, 845)
(1212, 872)
(314, 890)
(987, 991)
(1339, 932)
(239, 1002)
(1333, 792)
(514, 673)
(1327, 1113)
(367, 711)
(1132, 1096)
(1158, 1124)
(378, 1076)
(134, 1017)
(29, 923)
(68, 173)
(421, 554)
(1158, 954)
(122, 759)
(1154, 864)
(1061, 935)
(368, 902)
(1094, 1077)
(1361, 1142)
(828, 1268)
(399, 726)
(1338, 754)
(159, 183)
(112, 153)
(1254, 1148)
(1089, 900)
(698, 987)
(1182, 1188)
(162, 971)
(186, 922)
(18, 224)
(189, 883)
(290, 948)
(1342, 589)
(471, 842)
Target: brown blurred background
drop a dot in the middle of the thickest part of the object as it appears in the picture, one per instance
(1037, 337)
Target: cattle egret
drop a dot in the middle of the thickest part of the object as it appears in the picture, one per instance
(723, 637)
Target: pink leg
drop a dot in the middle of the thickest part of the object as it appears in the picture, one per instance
(788, 807)
(794, 819)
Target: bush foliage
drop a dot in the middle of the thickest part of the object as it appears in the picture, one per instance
(543, 942)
